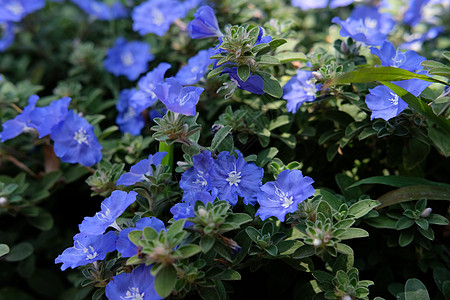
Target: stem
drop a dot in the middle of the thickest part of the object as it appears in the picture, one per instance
(168, 159)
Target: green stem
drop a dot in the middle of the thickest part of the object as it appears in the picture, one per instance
(168, 159)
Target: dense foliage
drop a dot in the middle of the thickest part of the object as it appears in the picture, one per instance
(224, 149)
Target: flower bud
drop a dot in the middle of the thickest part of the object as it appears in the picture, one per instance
(202, 212)
(3, 200)
(317, 242)
(317, 75)
(426, 212)
(344, 47)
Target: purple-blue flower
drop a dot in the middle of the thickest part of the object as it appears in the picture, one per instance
(44, 119)
(20, 123)
(187, 210)
(123, 244)
(277, 198)
(6, 34)
(137, 285)
(145, 97)
(102, 11)
(305, 5)
(300, 89)
(204, 24)
(178, 98)
(111, 208)
(391, 57)
(196, 67)
(197, 178)
(254, 84)
(385, 104)
(75, 141)
(128, 119)
(87, 249)
(414, 13)
(415, 41)
(157, 113)
(139, 171)
(366, 24)
(235, 177)
(16, 10)
(156, 16)
(128, 58)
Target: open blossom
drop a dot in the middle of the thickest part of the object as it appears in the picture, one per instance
(139, 171)
(196, 67)
(391, 57)
(235, 177)
(156, 16)
(204, 24)
(102, 11)
(178, 98)
(305, 5)
(254, 84)
(386, 104)
(111, 208)
(20, 123)
(128, 119)
(87, 249)
(366, 24)
(123, 244)
(277, 198)
(75, 141)
(16, 10)
(300, 89)
(128, 58)
(137, 285)
(44, 119)
(6, 34)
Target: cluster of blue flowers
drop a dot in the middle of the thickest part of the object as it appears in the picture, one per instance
(369, 26)
(73, 137)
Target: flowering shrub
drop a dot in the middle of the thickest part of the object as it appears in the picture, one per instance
(194, 149)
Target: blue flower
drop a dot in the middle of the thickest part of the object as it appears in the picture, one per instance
(197, 178)
(196, 67)
(123, 244)
(128, 58)
(415, 41)
(156, 16)
(300, 89)
(139, 171)
(235, 177)
(177, 98)
(7, 34)
(75, 141)
(44, 119)
(145, 97)
(102, 11)
(305, 5)
(87, 249)
(16, 10)
(20, 123)
(157, 113)
(128, 119)
(111, 208)
(254, 84)
(366, 24)
(204, 24)
(414, 13)
(390, 57)
(277, 198)
(139, 284)
(385, 104)
(187, 210)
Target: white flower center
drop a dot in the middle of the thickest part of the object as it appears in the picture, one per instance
(90, 252)
(235, 82)
(394, 98)
(371, 23)
(133, 294)
(158, 17)
(398, 59)
(185, 99)
(80, 136)
(104, 216)
(283, 198)
(310, 89)
(200, 180)
(16, 8)
(234, 177)
(127, 58)
(195, 69)
(130, 113)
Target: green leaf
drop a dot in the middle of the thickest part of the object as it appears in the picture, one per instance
(403, 223)
(19, 252)
(175, 228)
(361, 208)
(266, 156)
(414, 154)
(353, 233)
(344, 249)
(134, 236)
(437, 219)
(286, 57)
(422, 223)
(278, 122)
(275, 43)
(370, 74)
(406, 237)
(416, 192)
(216, 71)
(220, 136)
(398, 181)
(267, 60)
(228, 274)
(271, 84)
(186, 251)
(239, 218)
(439, 138)
(206, 243)
(44, 221)
(304, 251)
(252, 233)
(415, 290)
(165, 280)
(381, 222)
(428, 233)
(4, 249)
(243, 72)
